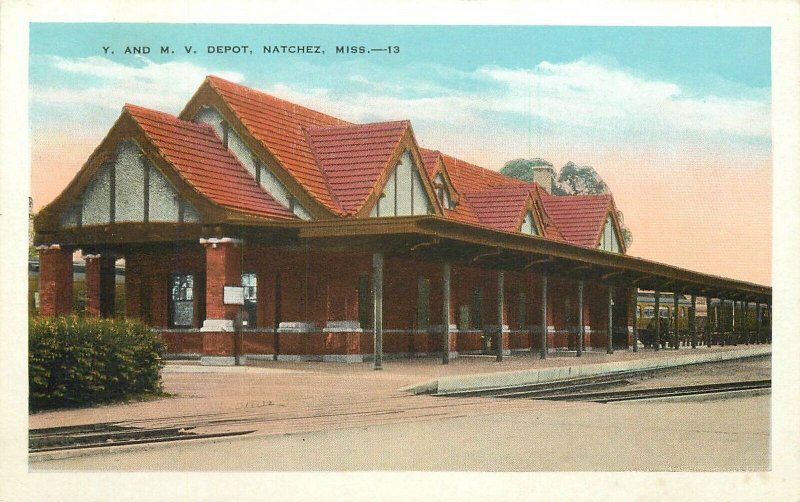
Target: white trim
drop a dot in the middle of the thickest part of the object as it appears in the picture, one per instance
(217, 325)
(343, 358)
(296, 327)
(222, 240)
(217, 361)
(350, 326)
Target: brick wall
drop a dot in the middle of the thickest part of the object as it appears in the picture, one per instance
(55, 281)
(311, 286)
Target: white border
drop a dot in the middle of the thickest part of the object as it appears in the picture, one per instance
(780, 484)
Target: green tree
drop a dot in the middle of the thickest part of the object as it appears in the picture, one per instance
(522, 169)
(581, 180)
(627, 236)
(32, 253)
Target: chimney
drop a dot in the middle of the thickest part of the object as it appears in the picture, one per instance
(544, 176)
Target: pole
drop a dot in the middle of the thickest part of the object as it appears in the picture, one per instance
(745, 324)
(377, 273)
(635, 304)
(543, 351)
(758, 323)
(708, 322)
(693, 321)
(610, 337)
(446, 313)
(676, 332)
(500, 300)
(581, 327)
(657, 306)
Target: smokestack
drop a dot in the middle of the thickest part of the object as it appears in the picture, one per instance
(544, 176)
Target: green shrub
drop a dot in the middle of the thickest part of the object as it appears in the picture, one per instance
(78, 361)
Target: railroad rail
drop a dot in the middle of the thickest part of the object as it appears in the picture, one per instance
(651, 393)
(104, 435)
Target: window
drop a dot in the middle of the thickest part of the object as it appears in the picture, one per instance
(423, 302)
(442, 193)
(608, 239)
(250, 308)
(523, 311)
(463, 318)
(364, 301)
(477, 306)
(567, 313)
(182, 301)
(529, 225)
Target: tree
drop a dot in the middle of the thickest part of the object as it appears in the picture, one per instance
(522, 169)
(32, 253)
(581, 180)
(627, 236)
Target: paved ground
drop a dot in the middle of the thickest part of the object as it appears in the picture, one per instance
(282, 398)
(713, 435)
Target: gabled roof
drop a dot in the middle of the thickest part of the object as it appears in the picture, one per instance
(468, 177)
(352, 157)
(500, 207)
(201, 159)
(579, 218)
(338, 166)
(280, 126)
(431, 159)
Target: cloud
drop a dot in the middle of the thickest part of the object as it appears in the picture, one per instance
(582, 102)
(165, 86)
(576, 98)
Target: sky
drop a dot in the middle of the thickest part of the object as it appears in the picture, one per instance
(677, 121)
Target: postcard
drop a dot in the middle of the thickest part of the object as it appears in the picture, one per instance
(478, 255)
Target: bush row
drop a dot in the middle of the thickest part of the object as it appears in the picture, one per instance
(77, 361)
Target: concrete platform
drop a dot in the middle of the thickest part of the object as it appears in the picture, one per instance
(460, 383)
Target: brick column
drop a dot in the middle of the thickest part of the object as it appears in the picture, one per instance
(55, 280)
(223, 268)
(100, 284)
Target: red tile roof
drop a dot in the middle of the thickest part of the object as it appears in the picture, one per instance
(202, 160)
(579, 218)
(352, 158)
(431, 159)
(499, 207)
(468, 177)
(279, 126)
(339, 164)
(462, 212)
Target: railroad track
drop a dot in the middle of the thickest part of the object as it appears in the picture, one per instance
(579, 393)
(176, 428)
(104, 435)
(661, 392)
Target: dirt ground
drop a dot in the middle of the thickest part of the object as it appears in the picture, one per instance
(331, 404)
(281, 397)
(717, 435)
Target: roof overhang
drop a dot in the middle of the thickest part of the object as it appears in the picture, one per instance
(435, 238)
(517, 250)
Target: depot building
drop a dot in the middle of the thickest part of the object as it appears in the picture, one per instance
(256, 228)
